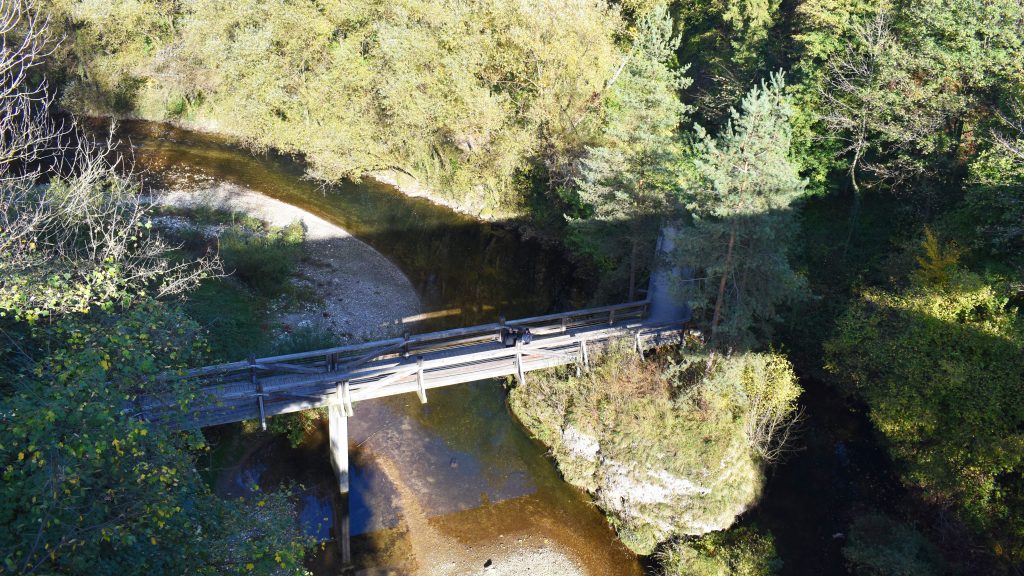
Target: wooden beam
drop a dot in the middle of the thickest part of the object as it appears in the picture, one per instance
(278, 367)
(396, 376)
(519, 364)
(337, 425)
(550, 354)
(419, 381)
(259, 392)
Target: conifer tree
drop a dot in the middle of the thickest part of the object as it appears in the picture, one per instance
(628, 181)
(739, 195)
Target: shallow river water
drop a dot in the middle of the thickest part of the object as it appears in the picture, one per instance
(461, 461)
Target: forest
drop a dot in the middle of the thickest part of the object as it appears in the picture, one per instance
(845, 179)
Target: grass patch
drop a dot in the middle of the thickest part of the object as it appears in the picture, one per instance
(206, 216)
(235, 319)
(263, 259)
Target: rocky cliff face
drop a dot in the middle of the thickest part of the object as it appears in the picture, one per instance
(652, 502)
(661, 461)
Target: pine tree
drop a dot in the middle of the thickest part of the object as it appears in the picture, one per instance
(628, 181)
(741, 189)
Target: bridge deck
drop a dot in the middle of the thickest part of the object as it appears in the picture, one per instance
(258, 388)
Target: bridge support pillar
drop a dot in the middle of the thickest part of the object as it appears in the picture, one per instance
(338, 439)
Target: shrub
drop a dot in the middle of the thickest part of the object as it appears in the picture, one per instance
(742, 551)
(263, 260)
(665, 449)
(881, 546)
(940, 367)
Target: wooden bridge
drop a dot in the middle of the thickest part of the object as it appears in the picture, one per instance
(340, 377)
(258, 388)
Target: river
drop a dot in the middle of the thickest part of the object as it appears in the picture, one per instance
(476, 478)
(478, 481)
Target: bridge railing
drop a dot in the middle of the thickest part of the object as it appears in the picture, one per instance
(261, 387)
(236, 399)
(349, 357)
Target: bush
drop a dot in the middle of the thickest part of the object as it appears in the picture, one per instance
(881, 546)
(263, 260)
(940, 367)
(738, 552)
(665, 450)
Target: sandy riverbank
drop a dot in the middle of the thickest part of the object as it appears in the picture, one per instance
(363, 294)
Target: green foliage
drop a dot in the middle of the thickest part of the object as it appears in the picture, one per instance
(742, 186)
(464, 97)
(994, 206)
(74, 244)
(665, 450)
(877, 545)
(728, 43)
(940, 368)
(89, 488)
(743, 551)
(232, 316)
(899, 84)
(262, 259)
(296, 426)
(627, 182)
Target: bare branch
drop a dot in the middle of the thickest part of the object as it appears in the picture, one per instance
(73, 229)
(1012, 142)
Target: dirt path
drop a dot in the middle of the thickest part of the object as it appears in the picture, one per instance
(364, 295)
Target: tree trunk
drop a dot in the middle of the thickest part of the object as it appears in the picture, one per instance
(721, 284)
(855, 209)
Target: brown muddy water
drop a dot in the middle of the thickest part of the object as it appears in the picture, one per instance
(473, 472)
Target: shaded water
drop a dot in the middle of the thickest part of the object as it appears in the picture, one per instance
(837, 471)
(477, 476)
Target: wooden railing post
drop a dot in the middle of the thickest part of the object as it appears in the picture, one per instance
(419, 380)
(585, 354)
(259, 391)
(519, 364)
(611, 317)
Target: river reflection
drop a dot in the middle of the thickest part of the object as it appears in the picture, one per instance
(471, 469)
